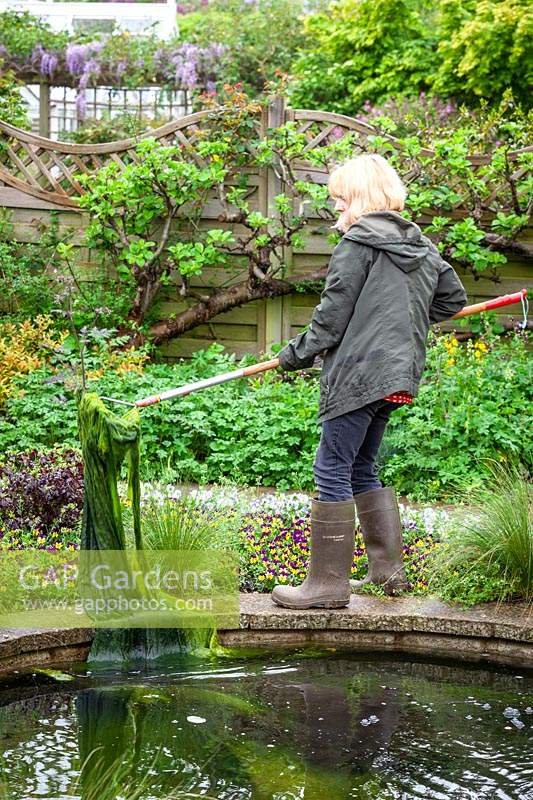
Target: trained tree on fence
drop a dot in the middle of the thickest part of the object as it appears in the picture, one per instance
(229, 206)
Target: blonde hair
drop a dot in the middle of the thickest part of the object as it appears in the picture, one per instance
(366, 183)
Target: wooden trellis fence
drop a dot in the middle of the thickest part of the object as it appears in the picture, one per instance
(38, 176)
(53, 109)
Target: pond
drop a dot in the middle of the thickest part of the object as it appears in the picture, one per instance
(282, 726)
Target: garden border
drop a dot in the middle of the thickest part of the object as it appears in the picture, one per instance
(495, 633)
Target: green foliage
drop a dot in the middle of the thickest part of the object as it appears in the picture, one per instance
(145, 217)
(264, 39)
(359, 52)
(26, 285)
(466, 238)
(488, 553)
(170, 523)
(12, 107)
(259, 432)
(485, 48)
(474, 404)
(112, 129)
(22, 33)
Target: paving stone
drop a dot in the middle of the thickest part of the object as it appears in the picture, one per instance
(491, 632)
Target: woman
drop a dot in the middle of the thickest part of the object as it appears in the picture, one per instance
(386, 284)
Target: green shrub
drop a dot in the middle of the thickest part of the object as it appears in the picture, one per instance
(359, 50)
(26, 283)
(12, 107)
(484, 49)
(473, 404)
(264, 40)
(488, 553)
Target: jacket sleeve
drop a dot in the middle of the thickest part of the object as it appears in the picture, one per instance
(449, 297)
(347, 271)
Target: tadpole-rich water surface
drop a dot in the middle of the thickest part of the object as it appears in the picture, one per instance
(285, 726)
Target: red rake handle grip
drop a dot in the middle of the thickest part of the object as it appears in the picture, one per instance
(264, 366)
(488, 305)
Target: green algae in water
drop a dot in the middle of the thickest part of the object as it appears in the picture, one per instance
(56, 674)
(108, 441)
(272, 728)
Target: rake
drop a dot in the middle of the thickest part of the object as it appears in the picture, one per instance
(264, 366)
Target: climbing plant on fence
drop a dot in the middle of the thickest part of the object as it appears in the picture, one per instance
(212, 208)
(133, 209)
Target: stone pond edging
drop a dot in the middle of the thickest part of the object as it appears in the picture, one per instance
(490, 632)
(36, 648)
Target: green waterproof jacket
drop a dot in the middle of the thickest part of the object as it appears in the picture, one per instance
(386, 284)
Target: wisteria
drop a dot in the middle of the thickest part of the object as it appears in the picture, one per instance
(184, 66)
(122, 60)
(47, 61)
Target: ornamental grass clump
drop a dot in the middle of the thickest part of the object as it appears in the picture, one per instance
(180, 523)
(487, 554)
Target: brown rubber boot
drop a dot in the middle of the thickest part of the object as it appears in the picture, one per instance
(327, 584)
(379, 517)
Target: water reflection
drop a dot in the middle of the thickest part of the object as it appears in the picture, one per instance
(324, 728)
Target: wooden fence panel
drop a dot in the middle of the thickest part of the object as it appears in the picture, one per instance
(37, 187)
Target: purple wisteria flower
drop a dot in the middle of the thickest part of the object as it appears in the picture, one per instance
(46, 59)
(81, 104)
(90, 70)
(75, 58)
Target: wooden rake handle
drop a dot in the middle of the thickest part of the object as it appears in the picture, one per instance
(264, 366)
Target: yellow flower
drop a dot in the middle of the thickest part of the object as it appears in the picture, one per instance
(450, 362)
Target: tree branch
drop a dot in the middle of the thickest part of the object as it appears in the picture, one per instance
(221, 301)
(506, 245)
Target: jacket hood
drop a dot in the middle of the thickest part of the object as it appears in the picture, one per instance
(401, 239)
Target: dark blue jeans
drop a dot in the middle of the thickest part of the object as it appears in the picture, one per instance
(345, 462)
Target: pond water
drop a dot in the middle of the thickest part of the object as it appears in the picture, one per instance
(283, 726)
